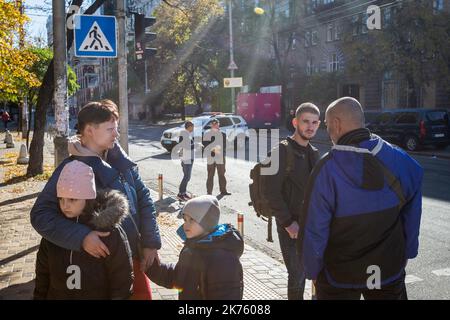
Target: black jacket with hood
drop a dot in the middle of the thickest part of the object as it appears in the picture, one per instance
(285, 193)
(99, 278)
(208, 268)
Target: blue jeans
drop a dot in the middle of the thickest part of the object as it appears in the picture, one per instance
(294, 266)
(187, 170)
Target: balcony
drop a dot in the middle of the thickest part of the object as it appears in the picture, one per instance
(321, 6)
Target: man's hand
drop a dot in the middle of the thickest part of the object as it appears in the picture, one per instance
(149, 255)
(94, 246)
(293, 230)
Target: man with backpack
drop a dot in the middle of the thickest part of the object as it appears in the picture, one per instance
(361, 215)
(284, 190)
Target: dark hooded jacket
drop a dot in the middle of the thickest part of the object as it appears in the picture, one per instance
(285, 192)
(353, 218)
(112, 277)
(117, 171)
(208, 268)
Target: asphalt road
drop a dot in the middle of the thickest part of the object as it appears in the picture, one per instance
(428, 276)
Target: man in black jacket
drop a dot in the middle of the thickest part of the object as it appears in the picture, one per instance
(216, 154)
(285, 190)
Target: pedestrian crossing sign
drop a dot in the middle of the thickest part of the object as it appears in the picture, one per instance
(95, 36)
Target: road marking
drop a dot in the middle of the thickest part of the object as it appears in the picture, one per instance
(442, 272)
(412, 278)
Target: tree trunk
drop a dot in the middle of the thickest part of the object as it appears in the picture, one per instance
(35, 166)
(45, 96)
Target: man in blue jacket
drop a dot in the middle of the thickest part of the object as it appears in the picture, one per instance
(361, 215)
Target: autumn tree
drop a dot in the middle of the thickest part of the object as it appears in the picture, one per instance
(15, 61)
(185, 68)
(44, 99)
(413, 45)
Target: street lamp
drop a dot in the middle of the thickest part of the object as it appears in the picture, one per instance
(258, 10)
(232, 66)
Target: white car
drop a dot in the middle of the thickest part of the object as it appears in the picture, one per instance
(232, 125)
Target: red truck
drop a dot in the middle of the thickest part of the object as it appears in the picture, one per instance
(260, 110)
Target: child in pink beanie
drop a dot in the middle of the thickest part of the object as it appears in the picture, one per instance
(68, 274)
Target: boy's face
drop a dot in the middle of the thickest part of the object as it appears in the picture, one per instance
(102, 135)
(191, 227)
(72, 208)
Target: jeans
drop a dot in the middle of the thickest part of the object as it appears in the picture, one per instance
(187, 170)
(392, 291)
(294, 266)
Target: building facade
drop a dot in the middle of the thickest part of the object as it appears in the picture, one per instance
(314, 36)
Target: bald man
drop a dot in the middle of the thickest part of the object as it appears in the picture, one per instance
(360, 219)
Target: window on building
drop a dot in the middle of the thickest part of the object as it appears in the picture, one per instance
(309, 67)
(327, 1)
(364, 18)
(282, 9)
(333, 63)
(387, 16)
(307, 39)
(310, 6)
(330, 30)
(338, 32)
(356, 25)
(438, 5)
(314, 38)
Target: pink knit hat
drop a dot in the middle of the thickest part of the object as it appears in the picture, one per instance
(76, 181)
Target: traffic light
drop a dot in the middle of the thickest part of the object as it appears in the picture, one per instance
(143, 37)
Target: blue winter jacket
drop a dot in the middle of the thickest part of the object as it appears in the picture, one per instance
(118, 172)
(351, 218)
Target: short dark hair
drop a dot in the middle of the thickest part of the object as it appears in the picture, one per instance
(307, 107)
(188, 124)
(97, 112)
(215, 120)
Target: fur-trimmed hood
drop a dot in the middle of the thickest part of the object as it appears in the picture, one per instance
(112, 207)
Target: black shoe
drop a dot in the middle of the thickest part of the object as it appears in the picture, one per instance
(226, 193)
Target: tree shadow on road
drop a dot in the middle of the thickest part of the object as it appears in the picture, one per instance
(18, 255)
(21, 291)
(19, 199)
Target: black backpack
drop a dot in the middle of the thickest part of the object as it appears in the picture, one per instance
(257, 188)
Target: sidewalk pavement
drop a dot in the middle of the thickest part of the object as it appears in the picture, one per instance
(264, 277)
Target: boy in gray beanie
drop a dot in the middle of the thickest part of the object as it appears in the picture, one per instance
(208, 267)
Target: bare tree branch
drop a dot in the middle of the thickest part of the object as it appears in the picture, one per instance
(176, 7)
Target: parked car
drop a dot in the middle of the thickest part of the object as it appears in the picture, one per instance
(371, 116)
(413, 128)
(232, 125)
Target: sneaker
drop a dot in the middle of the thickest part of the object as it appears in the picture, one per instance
(187, 196)
(181, 197)
(226, 193)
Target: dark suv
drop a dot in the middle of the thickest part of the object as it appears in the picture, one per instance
(412, 128)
